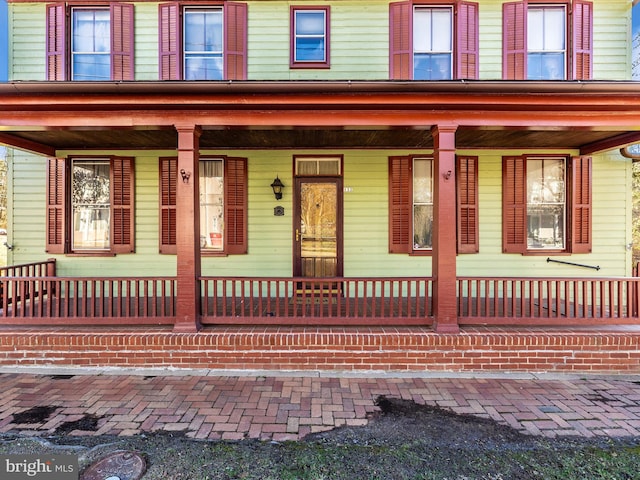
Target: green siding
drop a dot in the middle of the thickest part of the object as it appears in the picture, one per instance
(359, 36)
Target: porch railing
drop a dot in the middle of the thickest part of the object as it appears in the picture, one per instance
(548, 301)
(92, 301)
(34, 269)
(326, 301)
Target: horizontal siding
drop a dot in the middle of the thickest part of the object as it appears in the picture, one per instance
(359, 37)
(365, 221)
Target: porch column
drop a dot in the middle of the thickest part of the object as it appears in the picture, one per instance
(444, 241)
(188, 230)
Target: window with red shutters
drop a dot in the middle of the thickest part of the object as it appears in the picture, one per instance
(465, 39)
(579, 38)
(235, 206)
(121, 206)
(58, 55)
(401, 204)
(171, 48)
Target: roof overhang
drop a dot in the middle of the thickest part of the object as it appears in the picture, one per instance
(591, 116)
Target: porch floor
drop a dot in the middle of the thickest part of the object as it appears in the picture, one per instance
(288, 407)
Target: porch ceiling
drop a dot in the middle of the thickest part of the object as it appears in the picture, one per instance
(588, 116)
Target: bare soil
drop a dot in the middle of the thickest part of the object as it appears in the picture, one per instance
(404, 441)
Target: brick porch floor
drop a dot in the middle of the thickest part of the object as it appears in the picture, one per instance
(207, 406)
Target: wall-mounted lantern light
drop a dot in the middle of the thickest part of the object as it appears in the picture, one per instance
(277, 186)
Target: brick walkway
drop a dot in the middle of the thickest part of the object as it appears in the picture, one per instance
(281, 408)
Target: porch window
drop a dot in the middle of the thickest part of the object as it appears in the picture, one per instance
(90, 44)
(211, 204)
(97, 194)
(547, 41)
(204, 42)
(546, 204)
(101, 46)
(411, 204)
(309, 37)
(430, 42)
(223, 205)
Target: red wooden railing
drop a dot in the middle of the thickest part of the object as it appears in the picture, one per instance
(35, 269)
(326, 301)
(548, 301)
(92, 301)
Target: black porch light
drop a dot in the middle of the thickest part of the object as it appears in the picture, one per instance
(277, 186)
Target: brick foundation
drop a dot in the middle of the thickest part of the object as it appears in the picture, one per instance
(329, 349)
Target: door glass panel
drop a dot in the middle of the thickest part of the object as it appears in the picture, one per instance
(318, 227)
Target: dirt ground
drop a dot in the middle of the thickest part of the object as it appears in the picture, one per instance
(405, 441)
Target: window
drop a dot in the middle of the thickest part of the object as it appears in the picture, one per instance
(546, 204)
(547, 41)
(411, 204)
(101, 43)
(98, 194)
(310, 37)
(204, 42)
(223, 205)
(433, 41)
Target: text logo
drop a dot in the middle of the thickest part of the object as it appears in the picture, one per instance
(38, 467)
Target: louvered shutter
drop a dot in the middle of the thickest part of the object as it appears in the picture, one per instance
(399, 204)
(122, 62)
(56, 42)
(235, 49)
(581, 205)
(466, 47)
(169, 38)
(122, 205)
(56, 194)
(514, 207)
(467, 204)
(514, 41)
(400, 43)
(235, 191)
(168, 212)
(582, 26)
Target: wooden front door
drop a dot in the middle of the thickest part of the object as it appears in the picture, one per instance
(318, 227)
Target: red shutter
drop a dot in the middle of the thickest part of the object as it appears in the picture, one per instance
(400, 46)
(56, 191)
(235, 191)
(582, 26)
(581, 205)
(514, 41)
(514, 207)
(122, 203)
(169, 37)
(56, 42)
(235, 49)
(168, 218)
(467, 200)
(399, 204)
(122, 63)
(466, 47)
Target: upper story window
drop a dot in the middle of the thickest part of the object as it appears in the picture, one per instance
(203, 42)
(547, 41)
(90, 44)
(309, 37)
(546, 204)
(433, 41)
(90, 205)
(411, 204)
(101, 43)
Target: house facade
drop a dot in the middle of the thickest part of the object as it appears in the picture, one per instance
(371, 185)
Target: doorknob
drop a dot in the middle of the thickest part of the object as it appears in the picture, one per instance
(297, 235)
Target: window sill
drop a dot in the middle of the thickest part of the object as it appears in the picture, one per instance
(90, 254)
